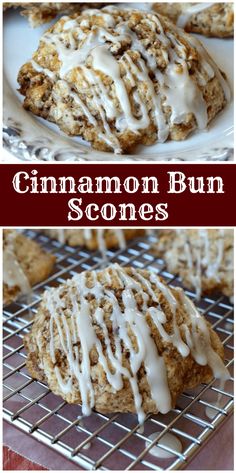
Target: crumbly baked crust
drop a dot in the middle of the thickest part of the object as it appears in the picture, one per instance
(110, 76)
(203, 258)
(33, 260)
(182, 372)
(216, 21)
(89, 238)
(40, 13)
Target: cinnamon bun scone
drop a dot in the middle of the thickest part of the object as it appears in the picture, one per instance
(121, 340)
(95, 239)
(25, 264)
(209, 19)
(203, 258)
(119, 78)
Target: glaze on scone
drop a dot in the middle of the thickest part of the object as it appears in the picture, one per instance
(95, 239)
(203, 258)
(24, 264)
(119, 78)
(121, 340)
(209, 19)
(40, 13)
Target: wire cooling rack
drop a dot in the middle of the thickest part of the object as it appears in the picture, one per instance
(108, 442)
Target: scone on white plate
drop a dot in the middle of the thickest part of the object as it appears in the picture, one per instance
(202, 258)
(119, 78)
(25, 264)
(209, 19)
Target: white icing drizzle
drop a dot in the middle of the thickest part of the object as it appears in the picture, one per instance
(87, 234)
(13, 274)
(228, 326)
(140, 430)
(87, 446)
(72, 321)
(46, 71)
(210, 66)
(167, 440)
(81, 423)
(199, 342)
(61, 235)
(95, 55)
(194, 9)
(182, 94)
(101, 242)
(201, 257)
(121, 238)
(210, 411)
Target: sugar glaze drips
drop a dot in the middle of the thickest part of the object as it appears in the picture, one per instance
(100, 234)
(185, 16)
(93, 53)
(13, 274)
(218, 403)
(200, 257)
(78, 325)
(167, 440)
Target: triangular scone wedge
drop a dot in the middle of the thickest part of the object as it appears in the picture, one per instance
(121, 340)
(25, 264)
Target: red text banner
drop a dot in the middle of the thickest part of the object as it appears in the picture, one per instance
(118, 195)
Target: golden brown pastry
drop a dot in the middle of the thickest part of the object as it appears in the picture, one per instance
(121, 340)
(203, 258)
(209, 19)
(119, 78)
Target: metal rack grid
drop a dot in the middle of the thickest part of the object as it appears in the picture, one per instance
(106, 441)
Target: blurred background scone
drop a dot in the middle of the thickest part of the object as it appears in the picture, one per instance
(25, 263)
(141, 342)
(39, 13)
(119, 78)
(94, 239)
(209, 19)
(203, 258)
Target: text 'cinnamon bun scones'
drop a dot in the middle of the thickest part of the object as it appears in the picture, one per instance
(119, 78)
(121, 340)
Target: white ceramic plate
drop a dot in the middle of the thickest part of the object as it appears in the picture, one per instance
(30, 138)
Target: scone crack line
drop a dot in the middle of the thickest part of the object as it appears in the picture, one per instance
(117, 311)
(125, 72)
